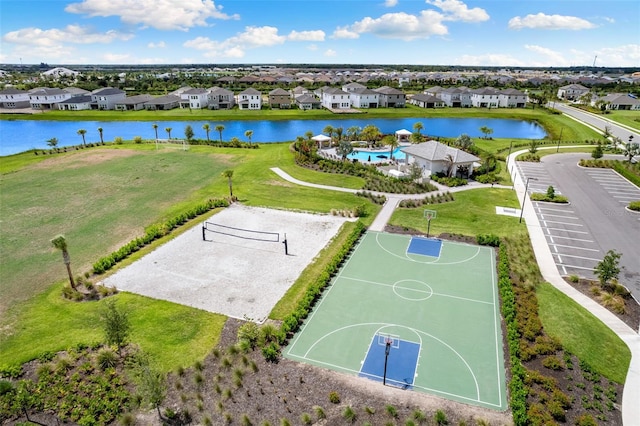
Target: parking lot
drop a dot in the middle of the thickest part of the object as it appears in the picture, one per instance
(580, 233)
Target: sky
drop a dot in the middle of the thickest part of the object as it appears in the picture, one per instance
(509, 33)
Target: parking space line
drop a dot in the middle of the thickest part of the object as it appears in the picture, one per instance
(578, 257)
(570, 238)
(574, 247)
(565, 230)
(562, 223)
(574, 267)
(559, 215)
(554, 210)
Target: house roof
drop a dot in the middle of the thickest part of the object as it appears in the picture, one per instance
(163, 100)
(436, 151)
(81, 99)
(386, 90)
(279, 91)
(620, 99)
(47, 91)
(107, 91)
(220, 91)
(197, 91)
(12, 91)
(364, 91)
(403, 132)
(250, 91)
(137, 99)
(307, 99)
(421, 97)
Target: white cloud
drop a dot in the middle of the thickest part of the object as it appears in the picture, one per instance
(609, 20)
(159, 14)
(549, 57)
(235, 47)
(158, 45)
(550, 22)
(455, 10)
(345, 32)
(317, 35)
(402, 25)
(390, 3)
(627, 55)
(55, 36)
(312, 47)
(117, 58)
(330, 52)
(489, 59)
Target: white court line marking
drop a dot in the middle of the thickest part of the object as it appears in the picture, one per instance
(581, 257)
(574, 247)
(569, 238)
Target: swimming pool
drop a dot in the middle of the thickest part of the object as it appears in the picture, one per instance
(376, 156)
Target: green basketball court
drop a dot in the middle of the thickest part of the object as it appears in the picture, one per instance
(429, 308)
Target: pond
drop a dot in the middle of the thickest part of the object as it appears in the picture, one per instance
(22, 135)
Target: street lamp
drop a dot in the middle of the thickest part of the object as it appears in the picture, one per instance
(560, 140)
(524, 197)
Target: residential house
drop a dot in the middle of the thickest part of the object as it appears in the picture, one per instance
(426, 101)
(299, 91)
(390, 97)
(163, 103)
(308, 101)
(434, 157)
(572, 92)
(106, 99)
(194, 98)
(76, 103)
(47, 98)
(353, 87)
(457, 97)
(220, 98)
(133, 103)
(364, 98)
(76, 91)
(14, 98)
(618, 102)
(512, 98)
(279, 98)
(249, 99)
(58, 72)
(334, 98)
(487, 97)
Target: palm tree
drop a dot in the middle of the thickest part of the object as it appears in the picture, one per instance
(207, 128)
(168, 130)
(392, 141)
(338, 131)
(229, 174)
(60, 243)
(353, 132)
(249, 134)
(219, 129)
(100, 131)
(82, 132)
(328, 129)
(53, 142)
(449, 162)
(155, 127)
(370, 133)
(417, 126)
(308, 134)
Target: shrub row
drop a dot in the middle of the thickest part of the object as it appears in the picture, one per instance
(487, 178)
(430, 199)
(449, 181)
(635, 206)
(517, 387)
(488, 240)
(292, 322)
(376, 199)
(538, 196)
(154, 232)
(629, 171)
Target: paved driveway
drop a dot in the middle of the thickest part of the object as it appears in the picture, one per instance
(595, 221)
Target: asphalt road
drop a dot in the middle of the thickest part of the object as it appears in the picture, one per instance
(599, 122)
(595, 221)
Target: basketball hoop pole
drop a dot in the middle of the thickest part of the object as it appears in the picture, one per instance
(286, 248)
(387, 349)
(428, 224)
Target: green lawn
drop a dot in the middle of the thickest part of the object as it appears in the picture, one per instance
(473, 212)
(54, 323)
(582, 334)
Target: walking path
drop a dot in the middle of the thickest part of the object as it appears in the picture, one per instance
(631, 393)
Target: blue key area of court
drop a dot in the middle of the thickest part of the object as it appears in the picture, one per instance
(439, 299)
(401, 362)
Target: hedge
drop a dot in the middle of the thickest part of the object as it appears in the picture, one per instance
(153, 232)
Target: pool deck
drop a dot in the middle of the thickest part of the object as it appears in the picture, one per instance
(331, 153)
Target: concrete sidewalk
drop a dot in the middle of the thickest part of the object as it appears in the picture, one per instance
(549, 270)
